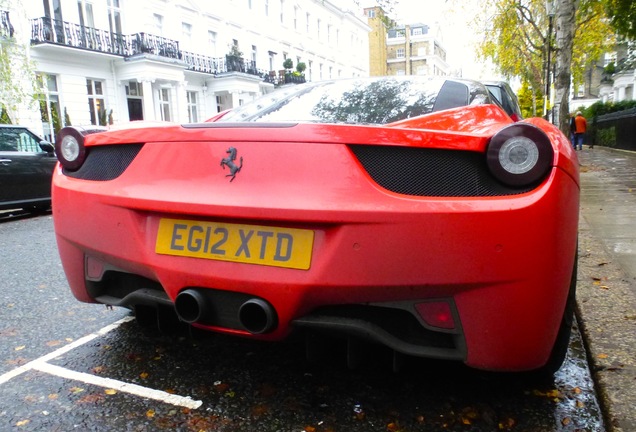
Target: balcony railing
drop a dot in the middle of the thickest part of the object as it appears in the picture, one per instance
(6, 29)
(47, 30)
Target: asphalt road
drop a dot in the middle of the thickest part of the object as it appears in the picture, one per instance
(65, 366)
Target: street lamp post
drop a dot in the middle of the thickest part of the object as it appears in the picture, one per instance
(550, 9)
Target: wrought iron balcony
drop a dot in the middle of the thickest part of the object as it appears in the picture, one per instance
(47, 30)
(6, 29)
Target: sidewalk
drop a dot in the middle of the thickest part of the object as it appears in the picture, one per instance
(606, 291)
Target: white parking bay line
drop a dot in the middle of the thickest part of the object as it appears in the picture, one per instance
(66, 348)
(109, 383)
(41, 365)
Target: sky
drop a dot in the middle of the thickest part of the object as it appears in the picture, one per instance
(458, 37)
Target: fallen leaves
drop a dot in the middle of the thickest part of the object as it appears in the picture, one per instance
(92, 398)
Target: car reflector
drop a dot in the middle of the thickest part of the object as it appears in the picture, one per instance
(436, 314)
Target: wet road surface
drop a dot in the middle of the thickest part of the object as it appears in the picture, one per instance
(129, 378)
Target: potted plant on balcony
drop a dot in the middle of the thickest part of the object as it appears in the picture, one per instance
(234, 59)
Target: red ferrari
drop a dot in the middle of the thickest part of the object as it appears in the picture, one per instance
(409, 212)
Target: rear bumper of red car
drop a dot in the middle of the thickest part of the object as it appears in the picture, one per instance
(502, 264)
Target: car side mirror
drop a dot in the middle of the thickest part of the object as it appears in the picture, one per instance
(47, 147)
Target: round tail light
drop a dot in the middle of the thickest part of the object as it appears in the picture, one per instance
(520, 155)
(69, 148)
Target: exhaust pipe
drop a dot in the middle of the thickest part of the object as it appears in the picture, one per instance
(191, 305)
(257, 316)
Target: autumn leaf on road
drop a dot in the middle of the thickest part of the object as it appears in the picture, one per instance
(92, 398)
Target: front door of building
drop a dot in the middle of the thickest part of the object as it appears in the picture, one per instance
(135, 109)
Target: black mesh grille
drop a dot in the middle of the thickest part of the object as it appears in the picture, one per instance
(106, 162)
(431, 172)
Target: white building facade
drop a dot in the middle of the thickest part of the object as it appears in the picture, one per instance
(113, 61)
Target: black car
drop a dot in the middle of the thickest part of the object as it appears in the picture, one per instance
(507, 98)
(26, 168)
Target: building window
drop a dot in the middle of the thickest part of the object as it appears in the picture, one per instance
(282, 11)
(134, 89)
(400, 72)
(254, 54)
(581, 91)
(212, 43)
(85, 10)
(371, 13)
(193, 116)
(114, 16)
(249, 4)
(266, 8)
(158, 24)
(96, 106)
(50, 106)
(186, 35)
(318, 22)
(307, 23)
(219, 104)
(164, 104)
(417, 31)
(399, 53)
(295, 17)
(271, 60)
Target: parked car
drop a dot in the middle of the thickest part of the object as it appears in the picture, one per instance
(408, 212)
(26, 168)
(501, 91)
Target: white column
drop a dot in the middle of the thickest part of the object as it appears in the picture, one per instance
(148, 100)
(621, 94)
(180, 104)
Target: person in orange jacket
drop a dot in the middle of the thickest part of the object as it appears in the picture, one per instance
(579, 130)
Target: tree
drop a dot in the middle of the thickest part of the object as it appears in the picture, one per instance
(516, 41)
(622, 15)
(17, 71)
(527, 100)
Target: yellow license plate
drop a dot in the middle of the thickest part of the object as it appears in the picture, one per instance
(253, 244)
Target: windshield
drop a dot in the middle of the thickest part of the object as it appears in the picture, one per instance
(354, 101)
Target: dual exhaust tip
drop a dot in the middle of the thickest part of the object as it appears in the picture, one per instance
(255, 315)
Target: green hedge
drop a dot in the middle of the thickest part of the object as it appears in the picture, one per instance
(600, 108)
